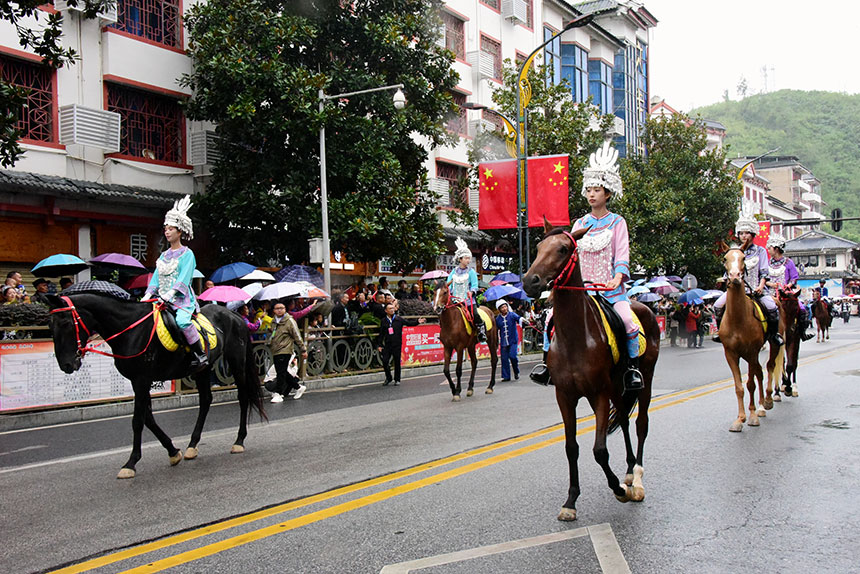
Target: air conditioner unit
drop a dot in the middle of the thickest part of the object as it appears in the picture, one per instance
(482, 62)
(89, 126)
(480, 126)
(515, 11)
(474, 195)
(204, 148)
(106, 14)
(441, 188)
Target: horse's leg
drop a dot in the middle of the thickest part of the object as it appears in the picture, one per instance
(776, 358)
(733, 361)
(459, 369)
(174, 453)
(600, 404)
(755, 375)
(204, 393)
(624, 423)
(794, 380)
(473, 359)
(493, 339)
(447, 370)
(571, 449)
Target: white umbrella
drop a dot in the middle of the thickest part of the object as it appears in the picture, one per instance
(253, 288)
(278, 291)
(257, 275)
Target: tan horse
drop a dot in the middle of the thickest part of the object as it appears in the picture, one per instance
(822, 319)
(743, 337)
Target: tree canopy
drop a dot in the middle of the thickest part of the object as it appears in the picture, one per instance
(259, 66)
(679, 201)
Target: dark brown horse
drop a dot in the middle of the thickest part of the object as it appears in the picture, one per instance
(822, 319)
(455, 337)
(790, 324)
(743, 337)
(581, 365)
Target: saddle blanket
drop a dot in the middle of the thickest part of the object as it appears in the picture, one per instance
(610, 335)
(488, 321)
(201, 323)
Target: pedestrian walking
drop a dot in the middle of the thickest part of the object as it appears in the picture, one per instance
(390, 341)
(507, 322)
(283, 343)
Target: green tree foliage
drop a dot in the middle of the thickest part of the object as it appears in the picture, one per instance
(820, 128)
(679, 201)
(556, 125)
(258, 68)
(44, 40)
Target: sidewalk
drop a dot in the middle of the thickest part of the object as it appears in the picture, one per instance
(126, 407)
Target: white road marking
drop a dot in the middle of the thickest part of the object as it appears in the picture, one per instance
(602, 538)
(25, 448)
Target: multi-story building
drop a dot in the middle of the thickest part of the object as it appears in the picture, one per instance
(794, 185)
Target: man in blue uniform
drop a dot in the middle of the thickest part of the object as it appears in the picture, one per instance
(507, 322)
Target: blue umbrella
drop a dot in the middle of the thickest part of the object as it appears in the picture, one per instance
(296, 273)
(637, 290)
(500, 291)
(691, 295)
(506, 276)
(197, 274)
(57, 265)
(639, 281)
(231, 271)
(648, 297)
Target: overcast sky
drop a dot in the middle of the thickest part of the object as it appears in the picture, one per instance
(700, 48)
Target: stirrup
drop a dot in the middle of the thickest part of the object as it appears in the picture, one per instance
(540, 375)
(633, 380)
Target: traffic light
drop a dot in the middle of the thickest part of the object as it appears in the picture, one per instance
(836, 216)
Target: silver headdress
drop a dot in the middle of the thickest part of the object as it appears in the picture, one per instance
(776, 240)
(746, 222)
(462, 249)
(178, 216)
(602, 171)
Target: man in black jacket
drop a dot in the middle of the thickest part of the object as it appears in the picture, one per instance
(390, 339)
(339, 313)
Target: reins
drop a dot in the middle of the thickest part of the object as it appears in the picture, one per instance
(86, 347)
(560, 282)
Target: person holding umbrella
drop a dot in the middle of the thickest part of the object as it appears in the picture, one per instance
(173, 274)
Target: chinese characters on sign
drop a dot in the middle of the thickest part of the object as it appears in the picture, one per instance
(495, 262)
(139, 246)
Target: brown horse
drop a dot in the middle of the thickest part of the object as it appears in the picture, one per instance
(581, 365)
(455, 337)
(743, 337)
(790, 326)
(822, 319)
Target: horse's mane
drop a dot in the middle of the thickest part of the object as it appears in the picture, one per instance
(555, 231)
(98, 288)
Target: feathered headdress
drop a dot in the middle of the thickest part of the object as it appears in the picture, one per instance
(178, 216)
(602, 171)
(746, 222)
(462, 249)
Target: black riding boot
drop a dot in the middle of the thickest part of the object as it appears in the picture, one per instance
(200, 360)
(718, 313)
(772, 318)
(482, 330)
(804, 325)
(540, 375)
(633, 377)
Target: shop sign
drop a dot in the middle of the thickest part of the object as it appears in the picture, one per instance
(495, 261)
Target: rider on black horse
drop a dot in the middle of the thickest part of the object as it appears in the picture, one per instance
(783, 275)
(463, 284)
(174, 271)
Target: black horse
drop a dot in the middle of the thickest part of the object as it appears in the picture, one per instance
(141, 358)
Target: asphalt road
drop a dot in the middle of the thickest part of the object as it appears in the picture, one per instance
(368, 478)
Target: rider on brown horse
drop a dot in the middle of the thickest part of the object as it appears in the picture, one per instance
(463, 283)
(783, 275)
(755, 276)
(604, 253)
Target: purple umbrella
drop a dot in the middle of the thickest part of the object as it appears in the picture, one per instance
(296, 273)
(117, 260)
(648, 297)
(437, 274)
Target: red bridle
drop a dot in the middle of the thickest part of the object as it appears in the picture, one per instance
(560, 282)
(85, 347)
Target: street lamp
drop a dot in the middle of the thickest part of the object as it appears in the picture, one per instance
(399, 103)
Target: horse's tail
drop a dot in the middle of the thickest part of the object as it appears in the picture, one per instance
(252, 388)
(778, 368)
(628, 401)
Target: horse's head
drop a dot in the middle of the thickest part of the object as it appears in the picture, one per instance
(734, 264)
(65, 335)
(553, 254)
(440, 298)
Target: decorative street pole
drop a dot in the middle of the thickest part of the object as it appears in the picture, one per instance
(399, 103)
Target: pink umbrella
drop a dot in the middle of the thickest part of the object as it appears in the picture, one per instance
(139, 282)
(224, 294)
(665, 289)
(495, 282)
(437, 274)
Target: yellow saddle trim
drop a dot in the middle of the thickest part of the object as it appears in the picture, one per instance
(488, 320)
(201, 323)
(759, 314)
(610, 335)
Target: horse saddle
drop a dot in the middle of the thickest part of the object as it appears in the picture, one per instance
(760, 313)
(171, 336)
(614, 327)
(485, 317)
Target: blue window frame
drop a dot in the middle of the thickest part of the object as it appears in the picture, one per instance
(574, 69)
(552, 57)
(600, 85)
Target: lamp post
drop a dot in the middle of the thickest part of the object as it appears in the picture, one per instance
(399, 103)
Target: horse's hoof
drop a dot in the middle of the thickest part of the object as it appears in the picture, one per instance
(176, 458)
(628, 479)
(777, 399)
(489, 391)
(567, 514)
(125, 473)
(470, 392)
(737, 426)
(768, 404)
(793, 393)
(760, 412)
(237, 449)
(638, 494)
(191, 453)
(455, 399)
(628, 495)
(753, 422)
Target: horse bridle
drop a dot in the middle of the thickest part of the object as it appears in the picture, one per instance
(560, 281)
(85, 347)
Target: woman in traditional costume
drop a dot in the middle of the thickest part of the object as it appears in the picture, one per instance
(782, 274)
(463, 283)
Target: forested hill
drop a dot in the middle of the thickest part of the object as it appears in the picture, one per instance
(821, 128)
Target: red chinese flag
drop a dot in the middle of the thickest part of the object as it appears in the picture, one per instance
(497, 189)
(548, 190)
(763, 233)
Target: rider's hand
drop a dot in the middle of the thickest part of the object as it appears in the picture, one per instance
(613, 283)
(759, 289)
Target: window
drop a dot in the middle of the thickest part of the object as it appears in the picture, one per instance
(36, 116)
(458, 122)
(830, 260)
(494, 119)
(490, 46)
(552, 57)
(529, 10)
(812, 260)
(600, 85)
(455, 37)
(152, 125)
(458, 180)
(574, 69)
(491, 3)
(155, 20)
